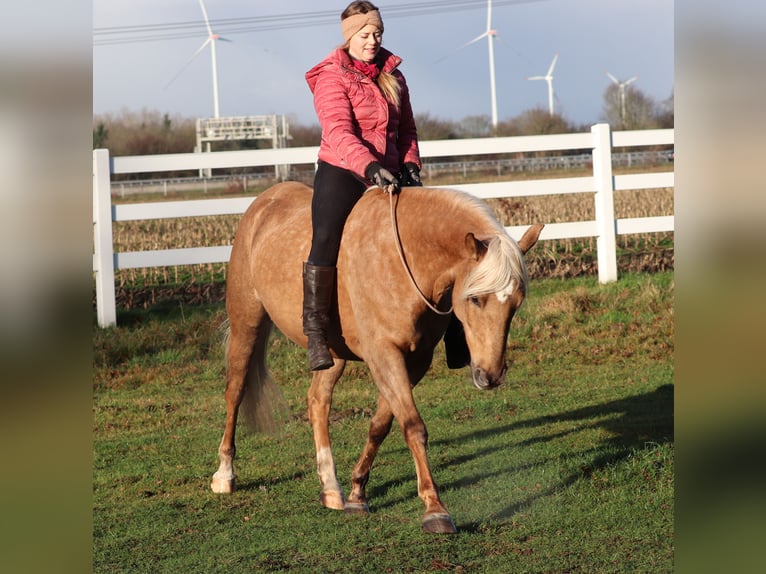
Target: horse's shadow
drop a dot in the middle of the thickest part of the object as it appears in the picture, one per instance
(632, 422)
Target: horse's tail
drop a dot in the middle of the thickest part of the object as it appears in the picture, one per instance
(264, 405)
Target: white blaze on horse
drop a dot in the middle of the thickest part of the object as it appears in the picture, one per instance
(455, 253)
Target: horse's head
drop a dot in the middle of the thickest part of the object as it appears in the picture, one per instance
(487, 296)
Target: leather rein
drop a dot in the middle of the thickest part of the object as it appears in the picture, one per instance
(398, 242)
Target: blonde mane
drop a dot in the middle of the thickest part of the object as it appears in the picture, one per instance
(502, 269)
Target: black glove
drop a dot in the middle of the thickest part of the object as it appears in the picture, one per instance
(381, 177)
(411, 175)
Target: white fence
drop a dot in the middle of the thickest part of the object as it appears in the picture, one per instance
(601, 140)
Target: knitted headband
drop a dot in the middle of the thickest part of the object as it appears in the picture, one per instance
(353, 24)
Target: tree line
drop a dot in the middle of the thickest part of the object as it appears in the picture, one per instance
(149, 132)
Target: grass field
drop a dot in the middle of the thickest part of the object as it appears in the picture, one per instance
(566, 468)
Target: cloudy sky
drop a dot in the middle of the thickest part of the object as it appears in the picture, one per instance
(141, 50)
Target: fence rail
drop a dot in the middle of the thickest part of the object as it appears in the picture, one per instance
(430, 169)
(602, 183)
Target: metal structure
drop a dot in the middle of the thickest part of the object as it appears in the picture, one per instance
(212, 38)
(548, 77)
(238, 128)
(489, 34)
(621, 87)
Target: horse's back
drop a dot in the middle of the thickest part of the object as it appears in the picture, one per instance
(277, 209)
(272, 240)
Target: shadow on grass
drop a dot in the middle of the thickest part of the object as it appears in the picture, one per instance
(640, 419)
(632, 422)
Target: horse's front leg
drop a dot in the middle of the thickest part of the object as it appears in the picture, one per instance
(319, 404)
(379, 429)
(394, 384)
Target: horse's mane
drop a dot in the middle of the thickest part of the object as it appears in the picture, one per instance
(502, 270)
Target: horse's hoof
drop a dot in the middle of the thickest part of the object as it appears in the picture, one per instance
(223, 485)
(356, 508)
(332, 499)
(439, 524)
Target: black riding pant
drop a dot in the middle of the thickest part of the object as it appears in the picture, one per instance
(336, 191)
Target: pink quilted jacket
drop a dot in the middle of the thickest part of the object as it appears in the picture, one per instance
(359, 126)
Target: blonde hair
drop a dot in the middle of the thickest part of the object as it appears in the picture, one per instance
(388, 83)
(391, 88)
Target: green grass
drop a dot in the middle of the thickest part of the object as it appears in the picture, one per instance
(566, 468)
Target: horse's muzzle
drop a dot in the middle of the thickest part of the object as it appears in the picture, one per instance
(484, 380)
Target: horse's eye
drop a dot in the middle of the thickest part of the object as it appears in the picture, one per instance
(475, 300)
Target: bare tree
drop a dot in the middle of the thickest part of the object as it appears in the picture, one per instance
(474, 127)
(100, 135)
(630, 109)
(665, 113)
(432, 128)
(536, 121)
(303, 136)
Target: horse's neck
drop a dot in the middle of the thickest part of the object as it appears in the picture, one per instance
(433, 231)
(444, 257)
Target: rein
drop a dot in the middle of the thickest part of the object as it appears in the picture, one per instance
(398, 242)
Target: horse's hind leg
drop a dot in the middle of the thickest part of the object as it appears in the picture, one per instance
(379, 429)
(245, 348)
(319, 405)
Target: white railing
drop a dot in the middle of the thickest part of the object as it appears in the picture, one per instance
(602, 184)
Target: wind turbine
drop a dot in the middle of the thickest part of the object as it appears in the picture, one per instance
(212, 38)
(490, 34)
(621, 86)
(548, 77)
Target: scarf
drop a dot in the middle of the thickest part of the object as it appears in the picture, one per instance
(370, 70)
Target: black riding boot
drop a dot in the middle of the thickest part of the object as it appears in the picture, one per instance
(318, 289)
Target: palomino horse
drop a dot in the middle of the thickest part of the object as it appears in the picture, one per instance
(453, 251)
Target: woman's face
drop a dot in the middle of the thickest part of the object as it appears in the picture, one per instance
(365, 44)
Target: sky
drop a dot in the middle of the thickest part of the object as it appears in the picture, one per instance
(261, 70)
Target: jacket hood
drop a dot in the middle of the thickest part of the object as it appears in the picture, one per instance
(339, 57)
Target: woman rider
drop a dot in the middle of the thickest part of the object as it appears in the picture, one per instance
(368, 139)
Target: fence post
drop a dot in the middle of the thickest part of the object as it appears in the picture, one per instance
(606, 243)
(103, 247)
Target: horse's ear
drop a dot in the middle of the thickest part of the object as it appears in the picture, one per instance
(530, 237)
(476, 247)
